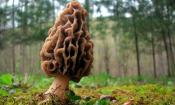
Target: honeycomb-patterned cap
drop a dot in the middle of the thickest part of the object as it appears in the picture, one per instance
(68, 49)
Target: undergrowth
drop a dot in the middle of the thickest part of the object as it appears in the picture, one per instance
(101, 89)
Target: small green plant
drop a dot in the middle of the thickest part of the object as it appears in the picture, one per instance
(102, 102)
(6, 79)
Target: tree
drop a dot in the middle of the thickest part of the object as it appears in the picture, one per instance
(163, 14)
(13, 46)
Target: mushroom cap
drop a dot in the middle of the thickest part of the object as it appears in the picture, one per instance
(68, 49)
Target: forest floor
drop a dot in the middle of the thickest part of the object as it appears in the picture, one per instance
(93, 90)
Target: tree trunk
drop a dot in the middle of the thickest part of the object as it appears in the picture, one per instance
(25, 31)
(32, 64)
(106, 57)
(23, 62)
(13, 46)
(125, 63)
(169, 13)
(154, 57)
(137, 47)
(87, 6)
(13, 60)
(172, 63)
(153, 49)
(167, 53)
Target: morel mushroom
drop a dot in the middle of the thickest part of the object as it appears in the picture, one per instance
(67, 53)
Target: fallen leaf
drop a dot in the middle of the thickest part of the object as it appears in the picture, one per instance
(130, 102)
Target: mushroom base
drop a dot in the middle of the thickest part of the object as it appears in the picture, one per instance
(59, 87)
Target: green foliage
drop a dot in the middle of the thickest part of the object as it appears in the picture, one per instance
(104, 79)
(3, 92)
(102, 102)
(100, 79)
(72, 96)
(83, 102)
(6, 79)
(40, 82)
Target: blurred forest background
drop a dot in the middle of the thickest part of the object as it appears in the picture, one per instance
(131, 37)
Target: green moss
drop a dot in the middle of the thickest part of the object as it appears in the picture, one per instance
(89, 90)
(150, 94)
